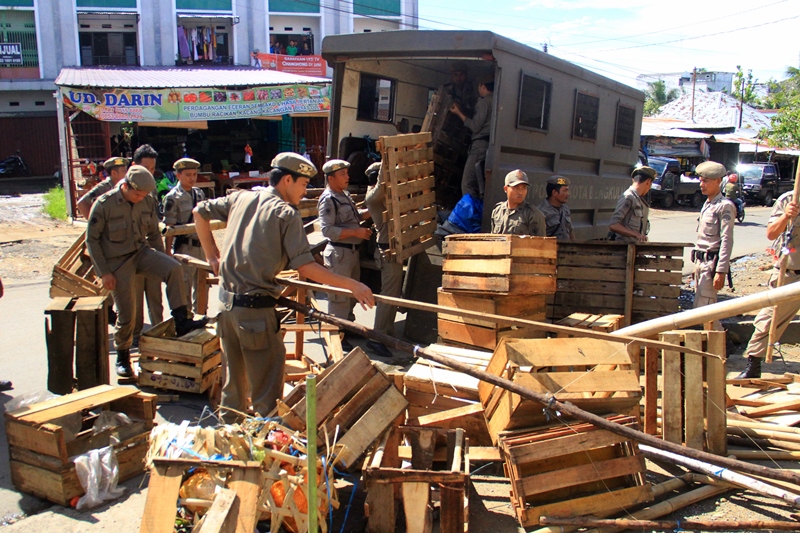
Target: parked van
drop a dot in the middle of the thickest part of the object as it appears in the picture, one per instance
(762, 182)
(549, 116)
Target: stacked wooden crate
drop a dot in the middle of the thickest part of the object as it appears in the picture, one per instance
(601, 323)
(73, 273)
(507, 275)
(44, 437)
(191, 363)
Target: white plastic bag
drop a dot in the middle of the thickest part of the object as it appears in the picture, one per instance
(29, 399)
(98, 472)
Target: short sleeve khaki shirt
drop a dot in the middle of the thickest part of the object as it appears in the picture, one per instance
(632, 212)
(524, 220)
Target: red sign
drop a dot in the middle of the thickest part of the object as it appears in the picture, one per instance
(302, 65)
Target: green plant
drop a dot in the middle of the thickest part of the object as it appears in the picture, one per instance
(55, 203)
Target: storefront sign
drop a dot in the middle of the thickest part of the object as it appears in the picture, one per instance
(10, 54)
(303, 65)
(124, 105)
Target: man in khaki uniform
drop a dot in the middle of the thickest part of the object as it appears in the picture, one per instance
(515, 216)
(391, 270)
(629, 222)
(178, 206)
(264, 236)
(780, 229)
(116, 167)
(340, 223)
(712, 252)
(123, 240)
(556, 212)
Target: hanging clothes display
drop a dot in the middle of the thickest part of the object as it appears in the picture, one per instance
(183, 44)
(198, 43)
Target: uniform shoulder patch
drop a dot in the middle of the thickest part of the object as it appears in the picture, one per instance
(726, 217)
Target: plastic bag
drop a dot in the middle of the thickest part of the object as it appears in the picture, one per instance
(29, 399)
(98, 472)
(109, 420)
(467, 214)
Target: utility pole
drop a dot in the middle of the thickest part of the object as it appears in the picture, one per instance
(694, 83)
(741, 101)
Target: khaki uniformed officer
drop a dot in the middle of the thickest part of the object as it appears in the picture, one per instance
(515, 216)
(784, 213)
(122, 224)
(264, 236)
(391, 270)
(178, 206)
(629, 222)
(340, 223)
(712, 252)
(556, 212)
(116, 167)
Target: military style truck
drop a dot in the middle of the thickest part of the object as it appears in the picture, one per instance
(762, 182)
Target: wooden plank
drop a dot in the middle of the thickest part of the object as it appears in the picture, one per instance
(162, 494)
(658, 263)
(517, 284)
(405, 253)
(589, 505)
(409, 173)
(412, 187)
(415, 504)
(353, 409)
(418, 232)
(757, 412)
(246, 482)
(662, 278)
(627, 308)
(570, 382)
(528, 453)
(578, 475)
(423, 445)
(544, 353)
(650, 390)
(194, 371)
(590, 274)
(416, 202)
(716, 417)
(596, 287)
(71, 403)
(60, 339)
(408, 139)
(671, 397)
(499, 266)
(177, 383)
(380, 507)
(694, 415)
(476, 248)
(412, 155)
(44, 484)
(453, 514)
(408, 220)
(214, 518)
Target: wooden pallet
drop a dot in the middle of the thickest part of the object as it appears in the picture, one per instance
(407, 169)
(602, 323)
(639, 281)
(573, 471)
(386, 481)
(42, 443)
(686, 391)
(73, 274)
(510, 265)
(597, 376)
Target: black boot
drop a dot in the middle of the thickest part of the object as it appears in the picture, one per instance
(753, 369)
(183, 324)
(124, 369)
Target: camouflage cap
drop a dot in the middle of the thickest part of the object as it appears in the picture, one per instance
(515, 177)
(333, 165)
(140, 179)
(645, 171)
(115, 162)
(186, 163)
(294, 164)
(558, 180)
(710, 170)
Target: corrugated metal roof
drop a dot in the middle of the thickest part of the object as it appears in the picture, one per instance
(169, 78)
(715, 108)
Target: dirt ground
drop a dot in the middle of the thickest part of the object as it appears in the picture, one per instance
(30, 244)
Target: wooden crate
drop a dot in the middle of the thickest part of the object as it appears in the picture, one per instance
(386, 482)
(602, 323)
(355, 401)
(407, 170)
(686, 391)
(499, 264)
(595, 375)
(638, 281)
(191, 363)
(73, 274)
(41, 445)
(573, 470)
(486, 334)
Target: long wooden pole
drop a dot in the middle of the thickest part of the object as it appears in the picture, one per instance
(189, 229)
(665, 525)
(549, 401)
(311, 452)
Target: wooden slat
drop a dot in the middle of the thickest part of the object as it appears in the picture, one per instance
(590, 505)
(408, 220)
(693, 392)
(650, 390)
(499, 266)
(590, 274)
(671, 397)
(71, 403)
(415, 202)
(576, 442)
(409, 139)
(716, 417)
(578, 475)
(159, 510)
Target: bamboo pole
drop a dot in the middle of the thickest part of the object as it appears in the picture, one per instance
(757, 455)
(311, 451)
(659, 525)
(758, 433)
(189, 229)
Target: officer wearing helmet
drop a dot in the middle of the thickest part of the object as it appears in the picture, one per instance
(733, 191)
(264, 236)
(340, 223)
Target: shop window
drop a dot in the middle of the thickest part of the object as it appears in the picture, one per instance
(376, 98)
(295, 44)
(19, 27)
(108, 48)
(587, 110)
(625, 127)
(534, 103)
(204, 44)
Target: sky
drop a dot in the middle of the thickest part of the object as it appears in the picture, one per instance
(621, 39)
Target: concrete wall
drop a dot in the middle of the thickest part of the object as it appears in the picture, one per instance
(57, 30)
(27, 102)
(364, 24)
(252, 32)
(158, 33)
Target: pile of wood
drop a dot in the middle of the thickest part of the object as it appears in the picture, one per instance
(73, 274)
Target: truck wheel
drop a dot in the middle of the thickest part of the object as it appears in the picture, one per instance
(768, 199)
(696, 199)
(667, 201)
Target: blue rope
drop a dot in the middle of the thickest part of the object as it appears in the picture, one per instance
(328, 486)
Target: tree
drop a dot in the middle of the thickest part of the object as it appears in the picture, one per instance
(657, 96)
(749, 83)
(785, 131)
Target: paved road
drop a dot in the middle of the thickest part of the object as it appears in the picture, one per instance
(749, 237)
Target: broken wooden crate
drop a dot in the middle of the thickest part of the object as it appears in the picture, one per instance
(44, 437)
(684, 394)
(595, 375)
(638, 281)
(415, 487)
(73, 274)
(191, 363)
(410, 193)
(499, 264)
(484, 333)
(573, 470)
(356, 402)
(601, 323)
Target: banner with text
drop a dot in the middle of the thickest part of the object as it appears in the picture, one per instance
(301, 65)
(169, 105)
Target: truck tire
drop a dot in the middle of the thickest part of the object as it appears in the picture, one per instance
(696, 199)
(768, 199)
(667, 200)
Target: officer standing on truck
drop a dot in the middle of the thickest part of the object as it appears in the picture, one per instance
(515, 216)
(461, 89)
(480, 124)
(712, 252)
(555, 209)
(630, 219)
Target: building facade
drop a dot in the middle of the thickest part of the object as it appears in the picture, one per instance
(48, 35)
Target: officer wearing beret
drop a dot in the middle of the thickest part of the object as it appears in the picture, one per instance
(178, 206)
(116, 167)
(264, 236)
(629, 222)
(515, 216)
(712, 252)
(123, 240)
(340, 223)
(555, 209)
(391, 270)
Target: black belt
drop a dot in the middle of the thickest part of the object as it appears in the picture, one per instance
(344, 245)
(254, 301)
(383, 245)
(703, 256)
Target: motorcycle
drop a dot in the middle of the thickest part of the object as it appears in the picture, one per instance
(740, 212)
(14, 164)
